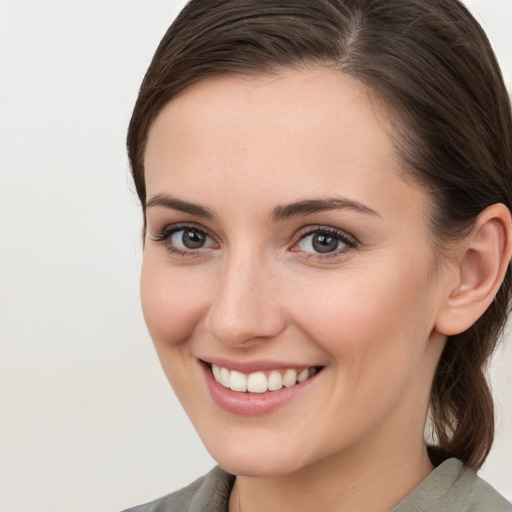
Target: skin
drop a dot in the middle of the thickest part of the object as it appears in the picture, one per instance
(255, 291)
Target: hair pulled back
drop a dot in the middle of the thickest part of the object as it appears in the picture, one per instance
(430, 65)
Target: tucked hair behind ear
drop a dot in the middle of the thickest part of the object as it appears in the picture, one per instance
(430, 66)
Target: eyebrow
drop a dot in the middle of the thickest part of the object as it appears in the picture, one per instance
(178, 204)
(311, 206)
(279, 214)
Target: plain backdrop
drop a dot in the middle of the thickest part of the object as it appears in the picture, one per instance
(87, 419)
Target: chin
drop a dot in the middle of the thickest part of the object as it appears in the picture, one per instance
(258, 466)
(257, 458)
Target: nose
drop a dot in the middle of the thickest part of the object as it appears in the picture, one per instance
(246, 307)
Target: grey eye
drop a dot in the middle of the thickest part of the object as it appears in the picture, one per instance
(320, 243)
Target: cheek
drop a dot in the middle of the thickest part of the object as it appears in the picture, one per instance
(172, 304)
(371, 319)
(376, 337)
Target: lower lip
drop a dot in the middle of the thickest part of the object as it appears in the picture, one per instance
(253, 404)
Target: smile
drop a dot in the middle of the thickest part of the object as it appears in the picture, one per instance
(261, 382)
(258, 387)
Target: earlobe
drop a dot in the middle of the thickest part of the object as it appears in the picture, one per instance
(482, 261)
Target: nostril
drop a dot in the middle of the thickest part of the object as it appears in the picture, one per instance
(244, 308)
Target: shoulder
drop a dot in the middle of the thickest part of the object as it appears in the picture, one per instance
(480, 496)
(208, 493)
(454, 487)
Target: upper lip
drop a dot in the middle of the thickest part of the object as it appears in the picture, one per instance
(253, 366)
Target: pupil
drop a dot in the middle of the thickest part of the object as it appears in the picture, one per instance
(193, 239)
(325, 243)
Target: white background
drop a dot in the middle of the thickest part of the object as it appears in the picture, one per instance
(87, 419)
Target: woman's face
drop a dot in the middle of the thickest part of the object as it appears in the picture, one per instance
(283, 244)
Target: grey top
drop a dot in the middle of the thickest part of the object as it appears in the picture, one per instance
(451, 487)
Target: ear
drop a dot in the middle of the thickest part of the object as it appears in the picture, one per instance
(481, 261)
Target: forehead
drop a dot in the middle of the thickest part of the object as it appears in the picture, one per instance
(311, 131)
(278, 102)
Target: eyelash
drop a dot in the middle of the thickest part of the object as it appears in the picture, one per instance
(344, 238)
(347, 240)
(165, 235)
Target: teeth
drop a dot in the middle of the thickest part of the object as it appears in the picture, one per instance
(275, 381)
(290, 378)
(258, 382)
(303, 375)
(224, 377)
(238, 381)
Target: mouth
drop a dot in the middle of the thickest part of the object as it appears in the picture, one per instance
(258, 388)
(260, 382)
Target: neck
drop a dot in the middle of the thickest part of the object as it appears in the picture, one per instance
(354, 482)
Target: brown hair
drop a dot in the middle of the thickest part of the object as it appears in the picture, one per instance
(432, 68)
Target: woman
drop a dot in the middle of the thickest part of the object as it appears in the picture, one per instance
(326, 188)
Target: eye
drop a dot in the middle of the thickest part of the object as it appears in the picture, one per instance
(325, 241)
(189, 239)
(185, 240)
